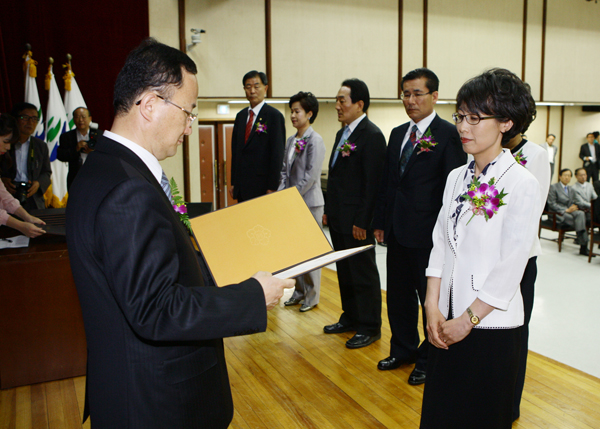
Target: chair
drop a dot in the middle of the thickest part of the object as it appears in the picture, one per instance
(594, 238)
(553, 224)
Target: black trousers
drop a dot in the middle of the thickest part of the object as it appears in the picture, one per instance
(360, 287)
(406, 285)
(527, 290)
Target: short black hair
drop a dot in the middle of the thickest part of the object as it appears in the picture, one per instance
(8, 125)
(550, 135)
(308, 102)
(590, 134)
(499, 92)
(19, 107)
(152, 65)
(254, 73)
(596, 134)
(81, 107)
(580, 168)
(432, 82)
(563, 170)
(358, 92)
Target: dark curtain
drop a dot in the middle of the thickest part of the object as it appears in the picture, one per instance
(98, 35)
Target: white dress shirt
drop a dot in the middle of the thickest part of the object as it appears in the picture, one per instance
(146, 157)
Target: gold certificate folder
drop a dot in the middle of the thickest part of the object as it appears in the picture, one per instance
(269, 233)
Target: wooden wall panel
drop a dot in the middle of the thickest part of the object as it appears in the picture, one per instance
(533, 55)
(412, 35)
(319, 43)
(234, 43)
(572, 52)
(467, 37)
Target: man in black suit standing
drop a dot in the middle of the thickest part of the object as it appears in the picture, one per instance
(75, 145)
(409, 201)
(257, 143)
(153, 328)
(589, 154)
(354, 173)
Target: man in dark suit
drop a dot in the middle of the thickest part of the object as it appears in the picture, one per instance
(26, 171)
(589, 154)
(354, 172)
(257, 143)
(75, 145)
(409, 201)
(155, 354)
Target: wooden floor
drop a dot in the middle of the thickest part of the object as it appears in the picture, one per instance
(294, 376)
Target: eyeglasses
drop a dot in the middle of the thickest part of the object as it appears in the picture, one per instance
(28, 118)
(190, 116)
(406, 96)
(471, 119)
(255, 86)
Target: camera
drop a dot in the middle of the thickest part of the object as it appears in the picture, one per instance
(21, 189)
(92, 141)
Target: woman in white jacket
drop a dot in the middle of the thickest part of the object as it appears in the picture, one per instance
(482, 239)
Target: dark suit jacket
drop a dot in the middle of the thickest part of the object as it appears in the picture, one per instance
(585, 151)
(353, 181)
(256, 165)
(67, 152)
(153, 329)
(409, 204)
(38, 168)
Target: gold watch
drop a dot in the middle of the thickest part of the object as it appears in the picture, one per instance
(474, 319)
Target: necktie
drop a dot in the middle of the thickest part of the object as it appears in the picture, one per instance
(566, 191)
(164, 184)
(249, 125)
(408, 149)
(345, 136)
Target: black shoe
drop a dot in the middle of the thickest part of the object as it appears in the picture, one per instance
(337, 328)
(393, 363)
(293, 301)
(583, 250)
(416, 377)
(360, 340)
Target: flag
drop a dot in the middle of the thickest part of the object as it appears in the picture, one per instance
(73, 97)
(56, 124)
(31, 92)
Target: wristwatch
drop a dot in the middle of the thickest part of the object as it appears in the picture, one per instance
(474, 319)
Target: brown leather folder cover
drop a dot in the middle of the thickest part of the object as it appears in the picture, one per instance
(269, 233)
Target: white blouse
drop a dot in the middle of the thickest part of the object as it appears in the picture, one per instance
(486, 259)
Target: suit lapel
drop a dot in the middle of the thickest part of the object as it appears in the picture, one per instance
(114, 148)
(338, 136)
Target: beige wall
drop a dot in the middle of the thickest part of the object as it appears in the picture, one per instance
(317, 43)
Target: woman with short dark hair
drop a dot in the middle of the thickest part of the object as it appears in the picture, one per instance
(302, 163)
(482, 239)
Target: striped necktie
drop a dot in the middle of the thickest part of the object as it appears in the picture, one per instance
(408, 148)
(164, 184)
(345, 136)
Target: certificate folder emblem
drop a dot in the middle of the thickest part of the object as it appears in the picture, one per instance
(275, 233)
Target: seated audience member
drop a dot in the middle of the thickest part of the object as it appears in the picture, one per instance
(28, 175)
(75, 145)
(561, 200)
(584, 191)
(9, 134)
(589, 153)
